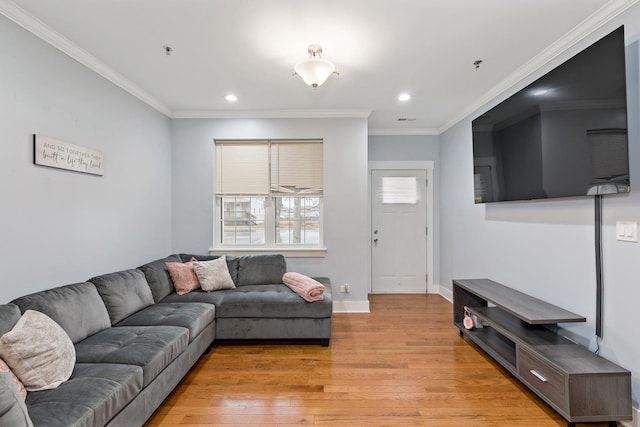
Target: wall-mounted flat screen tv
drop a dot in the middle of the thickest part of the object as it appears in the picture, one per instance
(563, 135)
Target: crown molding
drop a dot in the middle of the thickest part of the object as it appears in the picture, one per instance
(270, 114)
(403, 131)
(57, 40)
(525, 74)
(514, 81)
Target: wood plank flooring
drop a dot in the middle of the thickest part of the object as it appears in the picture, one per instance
(402, 364)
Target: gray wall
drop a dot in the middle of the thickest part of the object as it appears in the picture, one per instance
(546, 248)
(414, 148)
(345, 196)
(60, 227)
(404, 147)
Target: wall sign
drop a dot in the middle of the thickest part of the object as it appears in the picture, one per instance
(62, 155)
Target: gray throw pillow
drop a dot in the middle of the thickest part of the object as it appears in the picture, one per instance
(38, 351)
(213, 275)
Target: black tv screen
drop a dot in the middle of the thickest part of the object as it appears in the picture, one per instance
(563, 135)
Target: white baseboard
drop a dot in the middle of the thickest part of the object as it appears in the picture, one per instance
(351, 306)
(446, 294)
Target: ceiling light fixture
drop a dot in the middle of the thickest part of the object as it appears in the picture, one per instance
(404, 97)
(314, 70)
(231, 98)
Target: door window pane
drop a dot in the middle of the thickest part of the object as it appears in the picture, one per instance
(398, 190)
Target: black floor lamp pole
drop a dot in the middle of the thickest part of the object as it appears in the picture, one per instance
(598, 242)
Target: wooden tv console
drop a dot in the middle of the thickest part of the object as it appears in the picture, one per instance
(522, 336)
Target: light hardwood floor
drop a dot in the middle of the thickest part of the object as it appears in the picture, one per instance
(402, 364)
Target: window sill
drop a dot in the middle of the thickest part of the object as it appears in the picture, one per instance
(304, 252)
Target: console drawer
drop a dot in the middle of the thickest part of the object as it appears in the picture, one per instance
(541, 376)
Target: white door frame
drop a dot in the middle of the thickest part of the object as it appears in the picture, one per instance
(410, 165)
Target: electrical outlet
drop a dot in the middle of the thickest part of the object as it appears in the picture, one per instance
(345, 288)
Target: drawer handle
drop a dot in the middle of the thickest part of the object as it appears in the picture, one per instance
(538, 375)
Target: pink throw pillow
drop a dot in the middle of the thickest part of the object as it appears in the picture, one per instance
(21, 389)
(183, 277)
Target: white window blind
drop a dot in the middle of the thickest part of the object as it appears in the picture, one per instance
(296, 168)
(242, 168)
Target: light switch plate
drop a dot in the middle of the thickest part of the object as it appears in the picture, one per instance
(627, 231)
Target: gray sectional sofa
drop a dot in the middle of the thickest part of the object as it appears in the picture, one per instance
(135, 337)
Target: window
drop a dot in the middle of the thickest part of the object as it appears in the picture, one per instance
(269, 193)
(398, 190)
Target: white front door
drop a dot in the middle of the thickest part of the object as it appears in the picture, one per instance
(399, 231)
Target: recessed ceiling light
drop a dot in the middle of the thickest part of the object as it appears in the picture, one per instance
(404, 97)
(540, 92)
(231, 98)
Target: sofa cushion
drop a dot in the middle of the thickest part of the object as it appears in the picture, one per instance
(9, 316)
(152, 348)
(275, 300)
(94, 394)
(213, 275)
(232, 263)
(193, 316)
(189, 257)
(5, 368)
(123, 293)
(196, 296)
(158, 276)
(13, 411)
(261, 269)
(82, 299)
(271, 301)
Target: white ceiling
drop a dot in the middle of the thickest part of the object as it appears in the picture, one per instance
(249, 47)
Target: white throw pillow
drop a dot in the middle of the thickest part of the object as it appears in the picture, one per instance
(38, 351)
(213, 275)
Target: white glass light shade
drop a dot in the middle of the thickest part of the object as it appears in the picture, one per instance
(314, 71)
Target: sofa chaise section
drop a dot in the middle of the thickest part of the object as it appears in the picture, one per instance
(260, 306)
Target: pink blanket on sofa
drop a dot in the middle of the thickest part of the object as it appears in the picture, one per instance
(309, 289)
